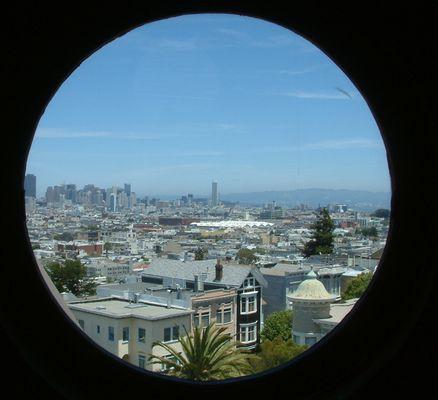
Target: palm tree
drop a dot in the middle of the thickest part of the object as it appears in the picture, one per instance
(208, 354)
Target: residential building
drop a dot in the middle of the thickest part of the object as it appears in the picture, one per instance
(247, 281)
(311, 305)
(128, 330)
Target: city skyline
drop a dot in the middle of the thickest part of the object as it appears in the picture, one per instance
(174, 103)
(208, 193)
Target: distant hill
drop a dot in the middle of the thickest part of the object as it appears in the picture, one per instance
(361, 200)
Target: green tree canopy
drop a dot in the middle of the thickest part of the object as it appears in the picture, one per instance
(246, 256)
(65, 236)
(209, 354)
(369, 232)
(71, 277)
(322, 236)
(357, 286)
(273, 353)
(277, 324)
(107, 246)
(381, 213)
(201, 253)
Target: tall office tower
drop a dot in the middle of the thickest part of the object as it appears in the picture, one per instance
(190, 198)
(112, 202)
(97, 197)
(30, 185)
(128, 189)
(58, 191)
(50, 195)
(71, 192)
(132, 200)
(214, 195)
(29, 204)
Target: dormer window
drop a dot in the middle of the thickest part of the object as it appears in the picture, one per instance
(249, 282)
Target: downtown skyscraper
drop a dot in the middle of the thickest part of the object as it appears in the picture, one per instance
(30, 185)
(214, 195)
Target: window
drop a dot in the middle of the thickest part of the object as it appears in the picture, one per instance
(125, 334)
(309, 341)
(202, 318)
(165, 367)
(248, 333)
(224, 315)
(98, 329)
(81, 323)
(141, 335)
(296, 339)
(175, 333)
(167, 334)
(171, 334)
(111, 333)
(248, 304)
(249, 282)
(141, 361)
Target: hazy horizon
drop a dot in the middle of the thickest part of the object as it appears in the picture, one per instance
(177, 103)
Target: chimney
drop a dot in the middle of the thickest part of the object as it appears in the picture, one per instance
(219, 270)
(169, 298)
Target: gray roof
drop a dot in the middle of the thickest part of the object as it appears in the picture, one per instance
(283, 269)
(134, 287)
(338, 312)
(123, 309)
(233, 274)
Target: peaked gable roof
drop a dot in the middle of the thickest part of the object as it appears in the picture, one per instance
(233, 274)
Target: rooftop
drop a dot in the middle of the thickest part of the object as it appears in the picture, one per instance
(115, 308)
(233, 274)
(338, 312)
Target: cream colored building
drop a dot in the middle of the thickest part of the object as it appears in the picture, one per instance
(128, 329)
(310, 303)
(218, 306)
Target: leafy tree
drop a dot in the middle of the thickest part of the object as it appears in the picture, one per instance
(209, 354)
(357, 286)
(369, 232)
(71, 276)
(260, 250)
(381, 213)
(107, 246)
(36, 246)
(273, 353)
(277, 324)
(201, 253)
(65, 236)
(322, 237)
(246, 256)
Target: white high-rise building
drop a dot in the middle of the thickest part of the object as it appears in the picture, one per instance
(214, 195)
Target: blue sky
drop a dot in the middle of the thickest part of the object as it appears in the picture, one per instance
(177, 103)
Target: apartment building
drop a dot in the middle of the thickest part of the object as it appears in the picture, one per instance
(128, 329)
(246, 280)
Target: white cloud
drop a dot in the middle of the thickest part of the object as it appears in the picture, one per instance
(275, 41)
(52, 133)
(317, 95)
(173, 44)
(297, 71)
(340, 144)
(231, 32)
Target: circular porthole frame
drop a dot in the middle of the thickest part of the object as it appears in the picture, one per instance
(384, 317)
